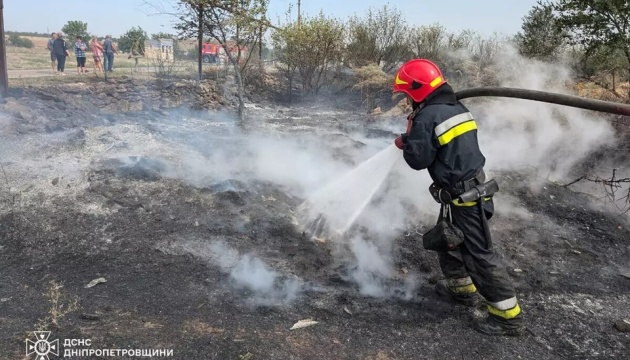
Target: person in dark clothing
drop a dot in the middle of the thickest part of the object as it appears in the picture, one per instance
(442, 138)
(60, 50)
(109, 50)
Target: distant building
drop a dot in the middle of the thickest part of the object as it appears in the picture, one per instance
(161, 49)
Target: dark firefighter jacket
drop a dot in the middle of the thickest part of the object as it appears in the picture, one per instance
(443, 139)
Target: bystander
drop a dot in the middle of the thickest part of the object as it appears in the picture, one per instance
(60, 50)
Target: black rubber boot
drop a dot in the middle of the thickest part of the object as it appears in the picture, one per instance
(496, 326)
(471, 299)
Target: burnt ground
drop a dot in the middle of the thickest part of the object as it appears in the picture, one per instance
(121, 215)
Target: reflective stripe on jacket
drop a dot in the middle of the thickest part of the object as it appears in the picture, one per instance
(443, 139)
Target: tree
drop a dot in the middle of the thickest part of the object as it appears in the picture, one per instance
(313, 49)
(284, 51)
(192, 15)
(597, 24)
(285, 43)
(540, 37)
(75, 28)
(235, 25)
(378, 38)
(603, 66)
(429, 42)
(133, 41)
(163, 35)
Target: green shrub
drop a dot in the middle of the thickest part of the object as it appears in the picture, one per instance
(19, 41)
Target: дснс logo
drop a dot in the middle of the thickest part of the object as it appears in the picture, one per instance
(42, 347)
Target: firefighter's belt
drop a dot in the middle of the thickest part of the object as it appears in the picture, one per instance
(446, 195)
(479, 191)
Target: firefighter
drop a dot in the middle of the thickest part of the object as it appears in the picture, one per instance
(442, 138)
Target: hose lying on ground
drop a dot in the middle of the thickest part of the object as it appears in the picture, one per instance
(543, 96)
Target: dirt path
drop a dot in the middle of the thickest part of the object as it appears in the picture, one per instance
(29, 73)
(69, 71)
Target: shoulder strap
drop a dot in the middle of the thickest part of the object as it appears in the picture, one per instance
(413, 113)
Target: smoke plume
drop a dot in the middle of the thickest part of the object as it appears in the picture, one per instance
(514, 135)
(309, 154)
(250, 273)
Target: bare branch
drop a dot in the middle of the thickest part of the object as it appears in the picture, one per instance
(574, 181)
(158, 8)
(611, 188)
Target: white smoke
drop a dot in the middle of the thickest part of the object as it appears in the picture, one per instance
(514, 135)
(248, 272)
(302, 164)
(374, 272)
(521, 134)
(372, 267)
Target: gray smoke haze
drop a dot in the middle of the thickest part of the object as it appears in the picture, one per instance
(257, 282)
(514, 135)
(248, 272)
(300, 163)
(374, 272)
(261, 285)
(520, 134)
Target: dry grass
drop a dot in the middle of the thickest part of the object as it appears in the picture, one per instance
(38, 41)
(594, 91)
(39, 57)
(198, 328)
(58, 307)
(149, 71)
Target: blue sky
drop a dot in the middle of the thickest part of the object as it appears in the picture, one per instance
(117, 16)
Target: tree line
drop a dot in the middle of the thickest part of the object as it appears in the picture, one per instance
(316, 52)
(594, 35)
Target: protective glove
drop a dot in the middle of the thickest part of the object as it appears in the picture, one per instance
(401, 141)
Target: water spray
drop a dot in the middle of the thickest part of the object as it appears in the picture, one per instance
(331, 212)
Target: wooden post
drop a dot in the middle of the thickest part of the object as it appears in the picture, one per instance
(4, 77)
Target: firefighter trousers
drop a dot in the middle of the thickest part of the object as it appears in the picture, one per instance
(476, 259)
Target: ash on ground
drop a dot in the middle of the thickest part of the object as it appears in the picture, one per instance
(192, 223)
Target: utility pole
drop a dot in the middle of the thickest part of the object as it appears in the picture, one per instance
(4, 79)
(299, 13)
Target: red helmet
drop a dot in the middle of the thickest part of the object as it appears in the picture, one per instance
(418, 78)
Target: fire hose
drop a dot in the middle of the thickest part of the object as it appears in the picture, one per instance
(491, 186)
(543, 96)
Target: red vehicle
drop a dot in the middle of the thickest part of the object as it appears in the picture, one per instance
(210, 53)
(214, 53)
